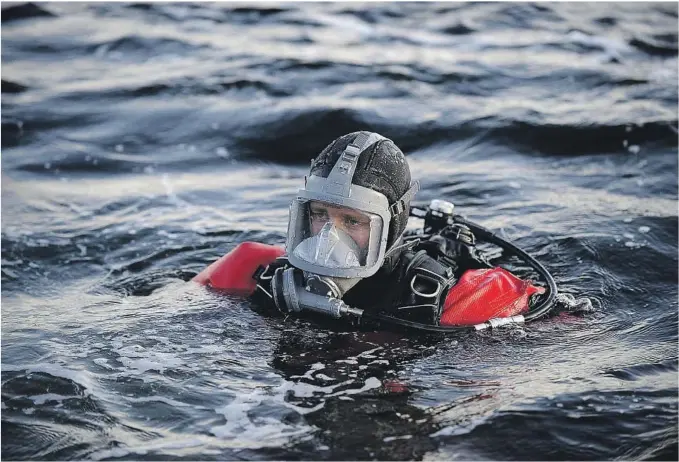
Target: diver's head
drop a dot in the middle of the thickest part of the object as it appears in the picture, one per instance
(353, 209)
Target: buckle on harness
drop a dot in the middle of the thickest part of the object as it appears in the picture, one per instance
(434, 294)
(464, 234)
(400, 205)
(397, 207)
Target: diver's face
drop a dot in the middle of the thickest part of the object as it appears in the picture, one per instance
(352, 222)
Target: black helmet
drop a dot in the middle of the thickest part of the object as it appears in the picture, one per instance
(381, 167)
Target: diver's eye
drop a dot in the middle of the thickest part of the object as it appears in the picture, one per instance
(351, 222)
(319, 215)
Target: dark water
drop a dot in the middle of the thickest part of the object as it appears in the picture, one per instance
(142, 141)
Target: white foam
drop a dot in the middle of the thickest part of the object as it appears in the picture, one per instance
(366, 353)
(307, 390)
(42, 399)
(242, 430)
(112, 453)
(162, 399)
(148, 447)
(460, 429)
(393, 438)
(156, 362)
(309, 374)
(370, 384)
(139, 359)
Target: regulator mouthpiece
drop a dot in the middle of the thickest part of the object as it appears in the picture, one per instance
(292, 295)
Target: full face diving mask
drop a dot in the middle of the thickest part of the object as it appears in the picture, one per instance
(338, 229)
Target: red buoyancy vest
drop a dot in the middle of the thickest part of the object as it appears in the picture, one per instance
(484, 294)
(233, 272)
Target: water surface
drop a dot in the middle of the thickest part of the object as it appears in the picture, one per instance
(140, 142)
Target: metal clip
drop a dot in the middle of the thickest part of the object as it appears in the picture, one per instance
(417, 292)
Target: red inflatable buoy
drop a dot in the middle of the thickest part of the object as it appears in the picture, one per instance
(484, 294)
(233, 272)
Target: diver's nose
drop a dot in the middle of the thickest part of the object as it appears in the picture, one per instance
(338, 223)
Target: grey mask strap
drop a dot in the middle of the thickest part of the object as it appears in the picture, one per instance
(400, 205)
(339, 179)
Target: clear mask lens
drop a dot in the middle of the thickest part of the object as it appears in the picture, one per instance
(333, 237)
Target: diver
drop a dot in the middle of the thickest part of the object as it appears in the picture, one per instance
(348, 254)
